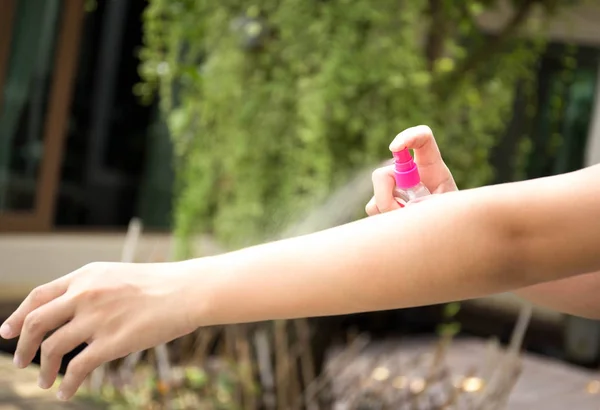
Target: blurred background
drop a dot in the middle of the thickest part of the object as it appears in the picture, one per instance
(223, 124)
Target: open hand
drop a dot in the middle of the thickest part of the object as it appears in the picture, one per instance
(433, 171)
(114, 308)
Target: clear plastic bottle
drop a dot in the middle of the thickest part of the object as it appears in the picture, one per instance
(408, 182)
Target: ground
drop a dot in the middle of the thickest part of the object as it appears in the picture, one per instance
(19, 390)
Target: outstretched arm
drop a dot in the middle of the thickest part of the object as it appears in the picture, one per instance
(457, 246)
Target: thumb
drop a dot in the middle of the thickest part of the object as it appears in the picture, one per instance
(383, 189)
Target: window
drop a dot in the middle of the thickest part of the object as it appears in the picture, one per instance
(36, 69)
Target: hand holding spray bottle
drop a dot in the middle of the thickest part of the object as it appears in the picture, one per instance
(408, 182)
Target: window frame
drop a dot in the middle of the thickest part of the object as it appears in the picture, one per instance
(40, 218)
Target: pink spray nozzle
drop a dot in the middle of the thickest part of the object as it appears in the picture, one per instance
(403, 160)
(406, 173)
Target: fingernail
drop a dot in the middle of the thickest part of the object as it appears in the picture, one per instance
(18, 362)
(5, 331)
(61, 395)
(43, 383)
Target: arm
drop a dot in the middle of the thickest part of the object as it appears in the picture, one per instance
(576, 296)
(457, 246)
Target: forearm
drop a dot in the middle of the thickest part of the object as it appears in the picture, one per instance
(443, 250)
(458, 246)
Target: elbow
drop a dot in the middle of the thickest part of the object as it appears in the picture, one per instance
(510, 259)
(514, 258)
(522, 250)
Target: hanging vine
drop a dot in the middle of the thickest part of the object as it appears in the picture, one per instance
(272, 103)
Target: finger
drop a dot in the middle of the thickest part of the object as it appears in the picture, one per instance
(371, 207)
(383, 189)
(434, 172)
(63, 341)
(38, 297)
(421, 140)
(39, 322)
(80, 367)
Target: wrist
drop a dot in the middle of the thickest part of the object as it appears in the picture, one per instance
(197, 286)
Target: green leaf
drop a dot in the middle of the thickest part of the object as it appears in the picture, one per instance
(449, 330)
(451, 309)
(196, 377)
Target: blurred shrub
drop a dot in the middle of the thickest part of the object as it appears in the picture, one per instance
(271, 103)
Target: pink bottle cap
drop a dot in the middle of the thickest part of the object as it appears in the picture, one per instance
(406, 172)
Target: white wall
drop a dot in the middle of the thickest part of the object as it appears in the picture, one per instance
(577, 24)
(28, 260)
(592, 156)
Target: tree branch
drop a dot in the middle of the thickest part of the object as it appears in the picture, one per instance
(434, 47)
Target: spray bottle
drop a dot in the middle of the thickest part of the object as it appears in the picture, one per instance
(408, 181)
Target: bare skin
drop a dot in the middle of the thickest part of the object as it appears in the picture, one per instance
(577, 295)
(452, 246)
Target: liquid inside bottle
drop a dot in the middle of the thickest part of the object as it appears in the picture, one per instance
(405, 195)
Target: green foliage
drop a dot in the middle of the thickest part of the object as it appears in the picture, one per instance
(451, 310)
(197, 377)
(449, 327)
(193, 388)
(272, 103)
